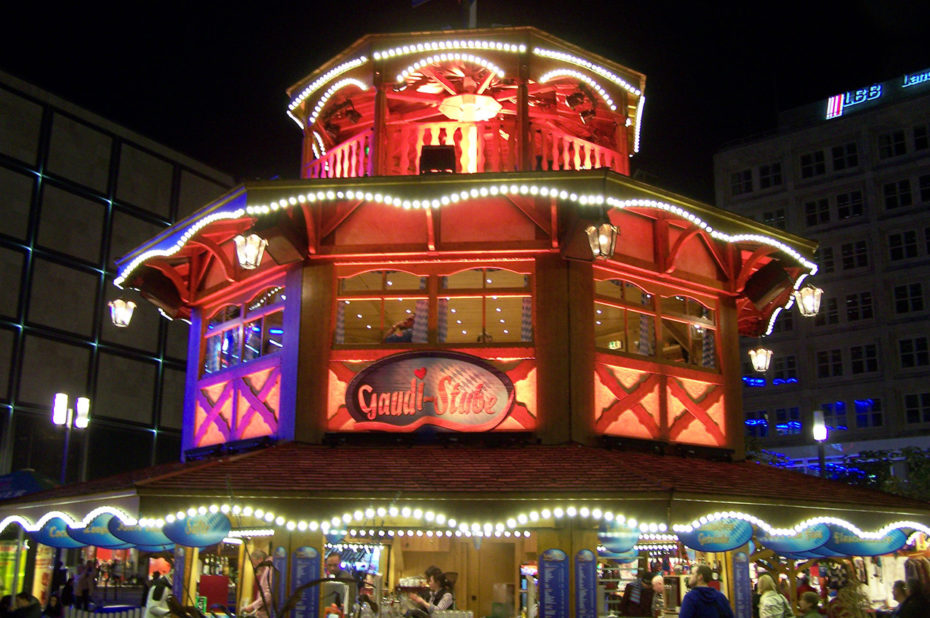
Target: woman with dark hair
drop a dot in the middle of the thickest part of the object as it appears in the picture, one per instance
(440, 596)
(54, 609)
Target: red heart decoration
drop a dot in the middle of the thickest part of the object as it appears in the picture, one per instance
(420, 373)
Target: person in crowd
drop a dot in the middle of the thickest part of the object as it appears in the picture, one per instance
(156, 599)
(637, 597)
(916, 604)
(809, 603)
(263, 603)
(804, 584)
(67, 592)
(850, 601)
(658, 596)
(440, 594)
(334, 570)
(401, 331)
(899, 594)
(772, 604)
(27, 606)
(86, 584)
(59, 576)
(54, 608)
(702, 601)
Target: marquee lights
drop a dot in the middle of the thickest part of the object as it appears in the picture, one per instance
(594, 68)
(454, 197)
(581, 77)
(406, 50)
(342, 83)
(639, 122)
(652, 533)
(429, 60)
(325, 77)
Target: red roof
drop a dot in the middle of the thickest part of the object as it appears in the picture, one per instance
(294, 469)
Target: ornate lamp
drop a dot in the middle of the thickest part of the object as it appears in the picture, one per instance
(121, 312)
(469, 107)
(760, 356)
(808, 299)
(602, 239)
(819, 432)
(249, 250)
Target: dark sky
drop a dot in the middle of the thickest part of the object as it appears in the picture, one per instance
(209, 81)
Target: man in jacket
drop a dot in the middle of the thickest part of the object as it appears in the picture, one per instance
(702, 601)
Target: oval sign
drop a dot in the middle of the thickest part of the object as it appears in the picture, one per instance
(198, 530)
(845, 543)
(450, 390)
(55, 534)
(617, 538)
(718, 535)
(97, 533)
(137, 535)
(808, 540)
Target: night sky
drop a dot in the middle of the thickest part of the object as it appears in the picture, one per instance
(209, 81)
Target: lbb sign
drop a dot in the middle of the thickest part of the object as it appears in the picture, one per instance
(448, 389)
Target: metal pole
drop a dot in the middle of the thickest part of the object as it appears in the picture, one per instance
(64, 459)
(821, 458)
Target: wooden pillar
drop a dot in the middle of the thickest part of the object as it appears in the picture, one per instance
(581, 367)
(379, 139)
(731, 367)
(523, 117)
(316, 335)
(551, 315)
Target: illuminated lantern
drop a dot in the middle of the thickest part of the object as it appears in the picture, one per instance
(249, 250)
(808, 299)
(83, 413)
(602, 239)
(121, 312)
(60, 409)
(819, 429)
(469, 107)
(760, 357)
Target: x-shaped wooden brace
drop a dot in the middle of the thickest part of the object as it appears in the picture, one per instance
(627, 400)
(697, 410)
(257, 403)
(213, 413)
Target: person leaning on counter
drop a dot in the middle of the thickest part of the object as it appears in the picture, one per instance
(440, 596)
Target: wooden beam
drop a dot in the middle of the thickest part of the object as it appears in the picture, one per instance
(342, 212)
(446, 84)
(214, 250)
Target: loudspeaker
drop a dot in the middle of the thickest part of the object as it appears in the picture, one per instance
(437, 160)
(766, 283)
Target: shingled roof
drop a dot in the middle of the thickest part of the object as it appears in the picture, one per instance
(292, 470)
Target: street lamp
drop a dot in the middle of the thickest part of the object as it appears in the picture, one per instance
(79, 417)
(760, 356)
(819, 432)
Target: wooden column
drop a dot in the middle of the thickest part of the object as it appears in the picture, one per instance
(316, 336)
(379, 138)
(730, 365)
(551, 317)
(581, 367)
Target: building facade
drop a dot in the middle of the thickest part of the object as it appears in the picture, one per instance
(852, 173)
(77, 192)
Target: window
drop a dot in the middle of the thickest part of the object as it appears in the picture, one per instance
(891, 144)
(757, 424)
(784, 323)
(863, 358)
(908, 298)
(817, 212)
(868, 413)
(855, 255)
(784, 370)
(917, 407)
(788, 421)
(845, 157)
(769, 175)
(741, 182)
(775, 218)
(239, 333)
(921, 141)
(828, 314)
(902, 245)
(924, 185)
(859, 306)
(834, 415)
(829, 364)
(849, 205)
(812, 164)
(626, 316)
(913, 352)
(474, 306)
(897, 194)
(825, 259)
